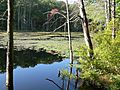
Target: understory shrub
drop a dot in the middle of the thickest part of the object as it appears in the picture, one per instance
(104, 69)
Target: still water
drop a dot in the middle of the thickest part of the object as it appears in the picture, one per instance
(33, 77)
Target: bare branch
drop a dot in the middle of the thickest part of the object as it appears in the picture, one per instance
(61, 14)
(72, 17)
(48, 20)
(63, 11)
(80, 17)
(74, 12)
(59, 27)
(4, 13)
(56, 20)
(2, 19)
(75, 20)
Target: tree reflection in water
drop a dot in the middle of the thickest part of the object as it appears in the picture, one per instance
(28, 58)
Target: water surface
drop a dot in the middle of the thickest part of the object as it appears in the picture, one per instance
(34, 78)
(32, 68)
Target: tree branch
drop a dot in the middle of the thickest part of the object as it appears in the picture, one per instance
(72, 17)
(75, 20)
(4, 13)
(61, 14)
(56, 20)
(59, 27)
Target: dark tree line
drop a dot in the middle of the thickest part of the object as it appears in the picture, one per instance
(31, 15)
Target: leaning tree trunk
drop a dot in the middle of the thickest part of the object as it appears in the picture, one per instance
(85, 28)
(113, 18)
(9, 62)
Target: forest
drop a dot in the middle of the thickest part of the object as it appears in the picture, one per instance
(60, 44)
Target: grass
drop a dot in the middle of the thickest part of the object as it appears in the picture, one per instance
(57, 41)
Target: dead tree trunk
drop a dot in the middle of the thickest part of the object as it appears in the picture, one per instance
(108, 11)
(69, 33)
(9, 62)
(113, 18)
(70, 42)
(85, 28)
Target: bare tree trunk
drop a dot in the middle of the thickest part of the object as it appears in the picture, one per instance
(85, 28)
(9, 62)
(108, 11)
(69, 34)
(70, 43)
(113, 18)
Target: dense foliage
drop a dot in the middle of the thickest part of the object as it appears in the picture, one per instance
(104, 69)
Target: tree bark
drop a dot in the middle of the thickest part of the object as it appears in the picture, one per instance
(108, 11)
(85, 28)
(113, 18)
(9, 62)
(69, 33)
(70, 42)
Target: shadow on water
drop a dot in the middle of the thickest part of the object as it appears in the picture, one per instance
(28, 58)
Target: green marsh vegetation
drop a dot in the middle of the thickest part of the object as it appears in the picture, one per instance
(57, 41)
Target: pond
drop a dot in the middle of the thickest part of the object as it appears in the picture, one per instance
(33, 73)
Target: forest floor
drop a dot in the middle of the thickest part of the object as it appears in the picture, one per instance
(57, 41)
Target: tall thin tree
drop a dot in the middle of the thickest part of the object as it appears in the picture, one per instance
(108, 11)
(69, 33)
(70, 42)
(85, 28)
(113, 18)
(9, 61)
